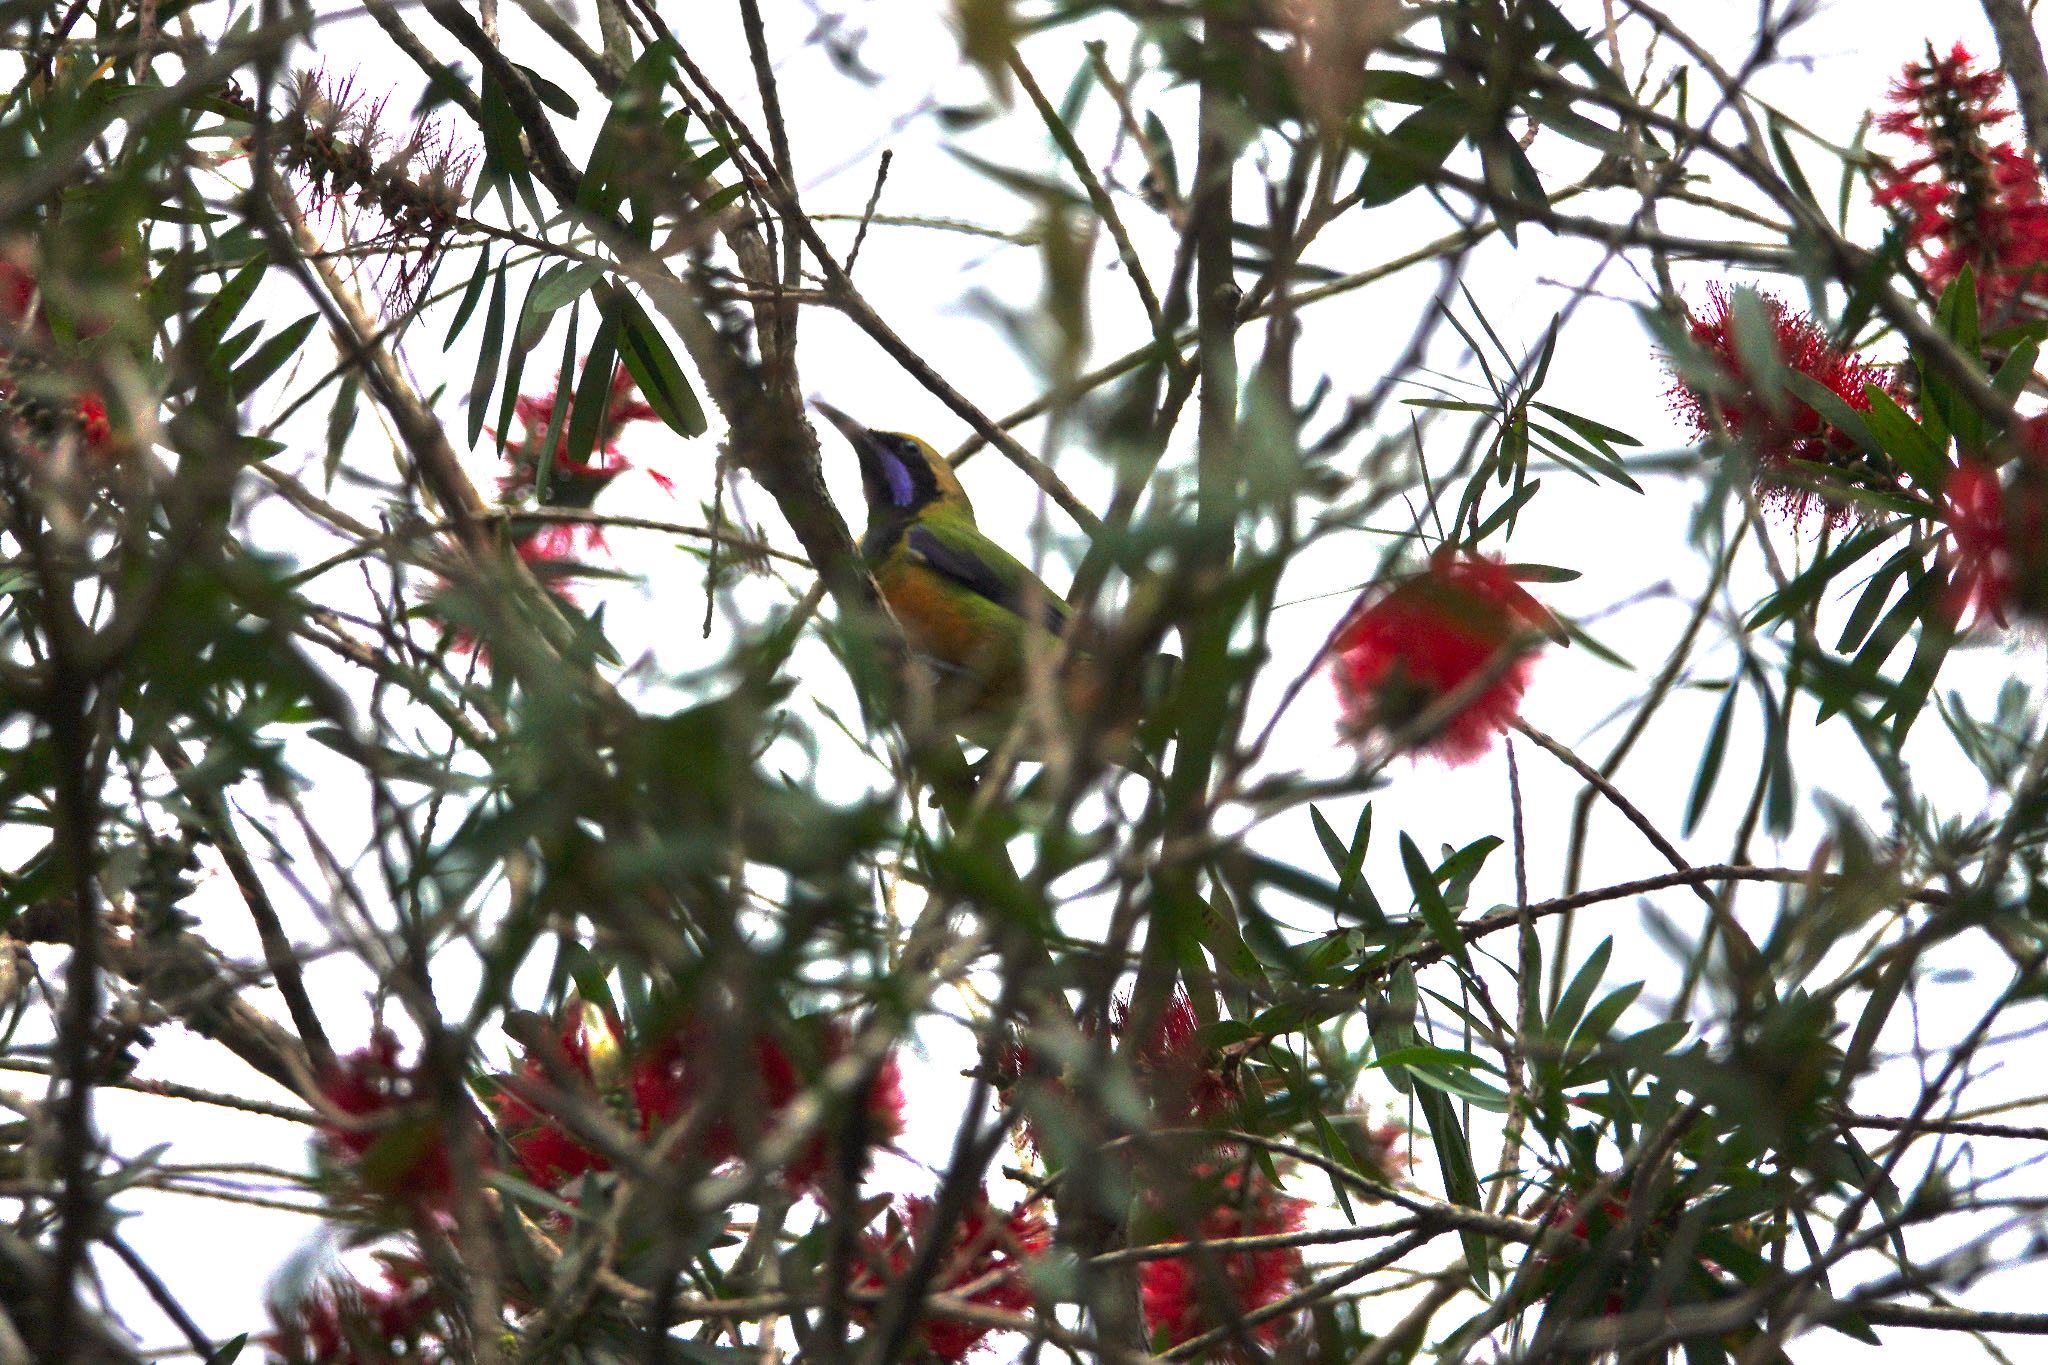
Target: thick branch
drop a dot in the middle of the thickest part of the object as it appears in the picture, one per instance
(2019, 52)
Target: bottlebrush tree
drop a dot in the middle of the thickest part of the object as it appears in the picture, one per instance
(1551, 861)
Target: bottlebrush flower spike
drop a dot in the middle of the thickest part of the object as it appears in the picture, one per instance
(586, 1047)
(1997, 550)
(41, 401)
(1407, 647)
(1183, 1078)
(985, 1255)
(393, 1140)
(343, 1321)
(1180, 1079)
(571, 482)
(557, 552)
(1968, 198)
(686, 1067)
(1778, 426)
(1181, 1302)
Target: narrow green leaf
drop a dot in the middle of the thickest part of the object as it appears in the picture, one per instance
(1710, 761)
(1937, 637)
(558, 416)
(1600, 1020)
(341, 420)
(1804, 590)
(1876, 592)
(270, 356)
(1789, 164)
(1564, 1020)
(1429, 899)
(1598, 432)
(1515, 502)
(2018, 368)
(593, 393)
(1411, 153)
(1461, 1179)
(229, 1351)
(1834, 412)
(1390, 85)
(210, 328)
(557, 287)
(1780, 796)
(549, 94)
(655, 370)
(1905, 440)
(487, 356)
(472, 294)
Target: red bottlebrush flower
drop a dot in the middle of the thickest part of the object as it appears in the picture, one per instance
(1182, 1077)
(346, 1322)
(1627, 1246)
(1181, 1302)
(984, 1258)
(677, 1072)
(549, 1155)
(18, 294)
(1179, 1079)
(1592, 1225)
(1402, 651)
(1998, 532)
(1779, 427)
(1381, 1152)
(555, 551)
(1966, 199)
(571, 482)
(393, 1143)
(93, 424)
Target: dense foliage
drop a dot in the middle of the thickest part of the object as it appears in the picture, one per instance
(435, 673)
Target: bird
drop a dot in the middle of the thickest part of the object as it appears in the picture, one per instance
(979, 623)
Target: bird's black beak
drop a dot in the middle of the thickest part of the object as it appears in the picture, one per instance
(886, 478)
(854, 432)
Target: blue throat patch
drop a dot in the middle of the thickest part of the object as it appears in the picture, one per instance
(902, 488)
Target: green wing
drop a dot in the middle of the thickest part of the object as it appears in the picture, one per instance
(965, 556)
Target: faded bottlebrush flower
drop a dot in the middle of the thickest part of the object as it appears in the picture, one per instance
(343, 1321)
(983, 1259)
(1777, 426)
(1968, 197)
(334, 142)
(688, 1066)
(392, 1139)
(585, 1049)
(1183, 1300)
(1461, 623)
(1997, 548)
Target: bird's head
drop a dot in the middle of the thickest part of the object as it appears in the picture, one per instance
(901, 475)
